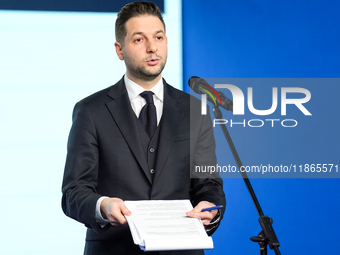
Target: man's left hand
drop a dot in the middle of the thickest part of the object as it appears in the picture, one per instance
(207, 216)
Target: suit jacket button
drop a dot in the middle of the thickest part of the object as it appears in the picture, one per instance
(152, 150)
(152, 171)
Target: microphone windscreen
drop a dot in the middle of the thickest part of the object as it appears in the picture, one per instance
(194, 83)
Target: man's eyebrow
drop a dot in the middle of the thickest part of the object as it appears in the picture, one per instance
(137, 33)
(160, 31)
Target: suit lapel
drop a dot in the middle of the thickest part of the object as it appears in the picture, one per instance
(171, 120)
(125, 118)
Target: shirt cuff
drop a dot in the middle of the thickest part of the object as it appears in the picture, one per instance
(99, 217)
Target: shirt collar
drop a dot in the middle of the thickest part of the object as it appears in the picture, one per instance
(134, 89)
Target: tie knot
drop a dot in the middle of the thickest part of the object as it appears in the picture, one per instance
(147, 95)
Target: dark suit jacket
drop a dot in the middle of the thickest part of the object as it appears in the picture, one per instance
(106, 158)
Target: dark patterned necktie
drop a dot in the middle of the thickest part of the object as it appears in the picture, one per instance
(148, 116)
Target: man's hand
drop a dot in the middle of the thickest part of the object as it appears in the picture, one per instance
(207, 216)
(114, 209)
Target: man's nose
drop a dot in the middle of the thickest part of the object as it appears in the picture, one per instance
(152, 47)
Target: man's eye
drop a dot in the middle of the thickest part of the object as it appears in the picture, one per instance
(138, 40)
(159, 37)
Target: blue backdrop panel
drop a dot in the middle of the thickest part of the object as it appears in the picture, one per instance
(274, 39)
(261, 38)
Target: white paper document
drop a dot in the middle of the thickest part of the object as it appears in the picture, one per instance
(159, 225)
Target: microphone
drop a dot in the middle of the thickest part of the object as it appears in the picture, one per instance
(200, 86)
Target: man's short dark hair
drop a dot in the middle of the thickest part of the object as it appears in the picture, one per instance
(131, 10)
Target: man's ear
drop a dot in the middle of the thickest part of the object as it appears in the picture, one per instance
(119, 50)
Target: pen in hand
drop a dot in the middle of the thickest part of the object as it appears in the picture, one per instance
(212, 208)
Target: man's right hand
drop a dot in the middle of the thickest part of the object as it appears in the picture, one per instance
(114, 209)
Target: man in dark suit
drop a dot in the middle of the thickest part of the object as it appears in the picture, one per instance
(114, 156)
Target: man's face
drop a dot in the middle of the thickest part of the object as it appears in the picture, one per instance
(145, 48)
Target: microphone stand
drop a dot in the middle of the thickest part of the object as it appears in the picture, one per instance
(267, 235)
